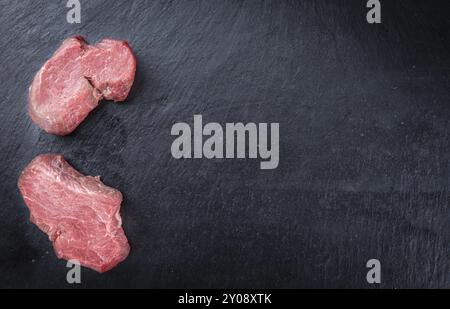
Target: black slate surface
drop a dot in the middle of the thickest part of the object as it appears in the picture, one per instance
(364, 116)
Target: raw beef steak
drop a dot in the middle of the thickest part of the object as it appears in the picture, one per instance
(78, 213)
(71, 84)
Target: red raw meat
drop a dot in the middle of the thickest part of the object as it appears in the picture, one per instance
(78, 213)
(71, 84)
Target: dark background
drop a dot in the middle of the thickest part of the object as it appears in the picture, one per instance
(364, 117)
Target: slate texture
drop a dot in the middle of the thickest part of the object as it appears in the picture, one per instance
(364, 119)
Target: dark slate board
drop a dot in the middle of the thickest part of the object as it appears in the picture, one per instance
(364, 115)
